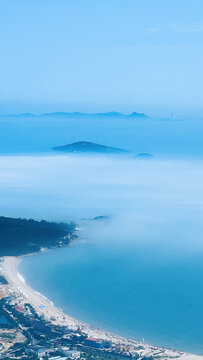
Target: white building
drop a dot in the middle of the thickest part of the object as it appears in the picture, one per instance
(72, 354)
(58, 358)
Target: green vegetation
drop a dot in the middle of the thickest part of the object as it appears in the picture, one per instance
(22, 236)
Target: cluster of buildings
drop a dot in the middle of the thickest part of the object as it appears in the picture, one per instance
(25, 334)
(43, 339)
(43, 352)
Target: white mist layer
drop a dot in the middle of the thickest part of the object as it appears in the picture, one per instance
(149, 201)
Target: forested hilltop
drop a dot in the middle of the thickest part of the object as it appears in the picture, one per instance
(22, 236)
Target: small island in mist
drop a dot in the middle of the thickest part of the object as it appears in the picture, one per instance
(88, 147)
(144, 156)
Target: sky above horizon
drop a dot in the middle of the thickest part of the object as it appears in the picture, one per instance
(85, 55)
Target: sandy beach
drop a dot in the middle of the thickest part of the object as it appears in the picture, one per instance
(24, 293)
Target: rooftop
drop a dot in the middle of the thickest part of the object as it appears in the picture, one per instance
(93, 339)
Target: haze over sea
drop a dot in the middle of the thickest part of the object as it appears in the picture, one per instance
(139, 273)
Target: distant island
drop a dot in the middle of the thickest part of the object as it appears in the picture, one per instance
(22, 236)
(85, 146)
(98, 218)
(144, 156)
(101, 217)
(136, 115)
(110, 114)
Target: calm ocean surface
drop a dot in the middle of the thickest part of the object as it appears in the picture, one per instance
(152, 292)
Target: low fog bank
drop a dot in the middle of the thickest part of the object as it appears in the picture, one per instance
(148, 201)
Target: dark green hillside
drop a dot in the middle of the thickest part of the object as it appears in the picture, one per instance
(21, 236)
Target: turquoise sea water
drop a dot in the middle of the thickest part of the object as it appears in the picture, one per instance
(149, 291)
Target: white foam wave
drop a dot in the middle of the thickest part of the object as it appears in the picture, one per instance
(21, 278)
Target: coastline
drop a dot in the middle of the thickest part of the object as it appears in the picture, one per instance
(45, 307)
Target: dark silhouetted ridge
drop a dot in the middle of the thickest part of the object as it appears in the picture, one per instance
(85, 146)
(63, 114)
(23, 236)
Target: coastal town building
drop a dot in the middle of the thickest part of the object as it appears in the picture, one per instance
(57, 358)
(72, 354)
(41, 351)
(94, 342)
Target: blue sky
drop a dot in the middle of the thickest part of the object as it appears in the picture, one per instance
(87, 55)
